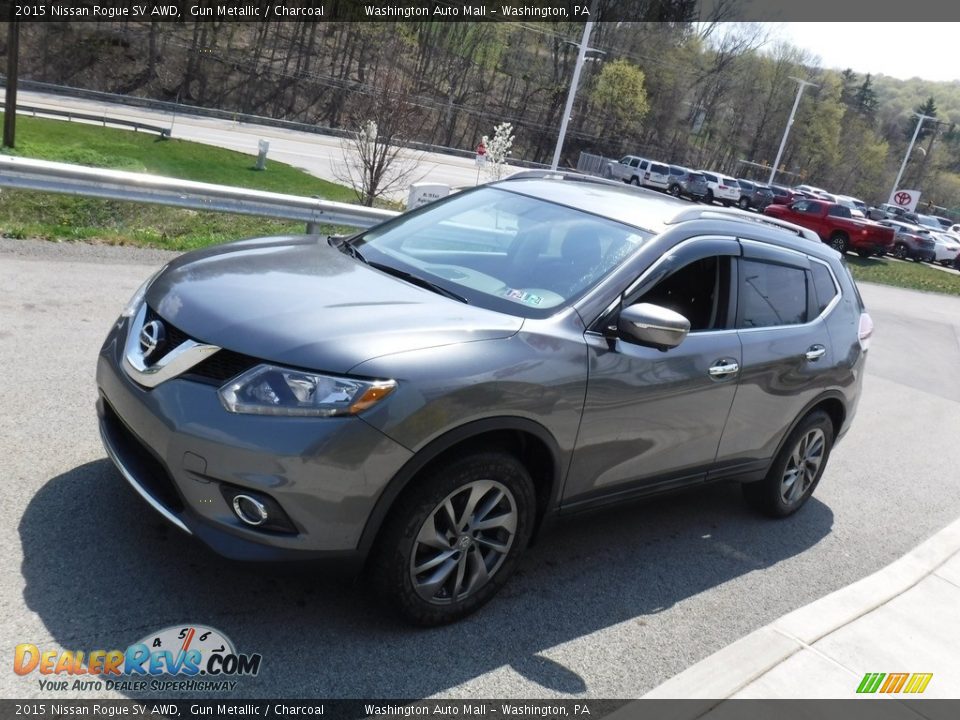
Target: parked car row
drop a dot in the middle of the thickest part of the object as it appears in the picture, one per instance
(699, 185)
(842, 221)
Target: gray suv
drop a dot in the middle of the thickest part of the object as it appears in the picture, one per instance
(423, 397)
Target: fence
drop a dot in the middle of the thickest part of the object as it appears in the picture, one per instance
(28, 174)
(594, 164)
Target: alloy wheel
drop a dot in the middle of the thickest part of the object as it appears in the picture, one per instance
(803, 466)
(463, 542)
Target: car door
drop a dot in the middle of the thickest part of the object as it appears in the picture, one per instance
(653, 419)
(787, 358)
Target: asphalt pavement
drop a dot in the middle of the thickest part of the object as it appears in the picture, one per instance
(609, 605)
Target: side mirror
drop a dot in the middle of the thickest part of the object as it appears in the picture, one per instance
(652, 325)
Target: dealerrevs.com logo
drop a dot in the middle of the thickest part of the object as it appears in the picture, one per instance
(201, 658)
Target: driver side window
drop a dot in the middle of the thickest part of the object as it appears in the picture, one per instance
(700, 291)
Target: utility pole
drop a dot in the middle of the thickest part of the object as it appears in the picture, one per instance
(572, 93)
(903, 165)
(786, 131)
(10, 102)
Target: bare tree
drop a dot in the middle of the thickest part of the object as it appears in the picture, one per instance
(377, 159)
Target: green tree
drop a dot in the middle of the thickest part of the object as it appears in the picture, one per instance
(865, 101)
(620, 98)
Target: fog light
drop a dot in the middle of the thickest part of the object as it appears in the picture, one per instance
(257, 510)
(250, 510)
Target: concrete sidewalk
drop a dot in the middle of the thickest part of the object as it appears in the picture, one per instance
(903, 619)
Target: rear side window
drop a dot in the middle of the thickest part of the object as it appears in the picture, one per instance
(674, 170)
(660, 169)
(731, 182)
(839, 211)
(772, 295)
(745, 185)
(710, 178)
(823, 285)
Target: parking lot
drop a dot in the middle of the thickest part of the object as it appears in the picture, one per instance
(607, 605)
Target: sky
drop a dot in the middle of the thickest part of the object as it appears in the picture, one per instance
(901, 50)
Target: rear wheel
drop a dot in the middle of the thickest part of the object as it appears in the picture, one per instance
(900, 251)
(674, 190)
(453, 541)
(838, 241)
(708, 198)
(864, 253)
(796, 470)
(635, 181)
(744, 203)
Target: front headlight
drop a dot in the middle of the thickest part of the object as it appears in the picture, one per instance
(272, 390)
(134, 303)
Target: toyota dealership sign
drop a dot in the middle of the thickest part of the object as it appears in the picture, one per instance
(906, 199)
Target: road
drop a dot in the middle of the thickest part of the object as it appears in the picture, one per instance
(608, 605)
(319, 155)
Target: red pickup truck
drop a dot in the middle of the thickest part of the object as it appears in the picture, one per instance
(836, 226)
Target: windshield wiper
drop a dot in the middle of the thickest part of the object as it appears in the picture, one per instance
(419, 281)
(342, 243)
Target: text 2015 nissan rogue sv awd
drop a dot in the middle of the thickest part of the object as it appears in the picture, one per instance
(423, 395)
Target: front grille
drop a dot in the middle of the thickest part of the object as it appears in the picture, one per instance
(220, 367)
(148, 471)
(174, 336)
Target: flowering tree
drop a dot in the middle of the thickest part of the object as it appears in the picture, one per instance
(498, 149)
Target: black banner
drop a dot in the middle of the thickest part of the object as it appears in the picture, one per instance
(483, 11)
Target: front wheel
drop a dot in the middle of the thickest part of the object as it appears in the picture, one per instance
(635, 181)
(674, 190)
(455, 538)
(708, 198)
(796, 470)
(900, 251)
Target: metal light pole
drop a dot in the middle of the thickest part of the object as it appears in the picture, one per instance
(588, 28)
(10, 106)
(903, 165)
(786, 130)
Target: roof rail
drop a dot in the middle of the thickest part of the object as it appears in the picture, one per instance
(715, 213)
(568, 175)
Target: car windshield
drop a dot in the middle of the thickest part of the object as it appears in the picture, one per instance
(501, 250)
(929, 221)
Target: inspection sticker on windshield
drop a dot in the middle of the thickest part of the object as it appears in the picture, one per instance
(521, 296)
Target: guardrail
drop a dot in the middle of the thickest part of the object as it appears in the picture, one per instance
(103, 119)
(29, 174)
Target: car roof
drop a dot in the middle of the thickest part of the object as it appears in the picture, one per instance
(652, 211)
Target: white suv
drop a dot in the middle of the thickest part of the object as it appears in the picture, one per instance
(719, 187)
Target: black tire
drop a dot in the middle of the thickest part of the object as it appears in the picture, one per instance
(708, 198)
(839, 242)
(956, 263)
(864, 254)
(674, 190)
(744, 203)
(726, 203)
(420, 513)
(774, 496)
(901, 251)
(635, 181)
(917, 258)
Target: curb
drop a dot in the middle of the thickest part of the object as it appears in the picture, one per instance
(729, 670)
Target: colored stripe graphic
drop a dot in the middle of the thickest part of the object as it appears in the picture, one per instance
(895, 682)
(870, 682)
(918, 682)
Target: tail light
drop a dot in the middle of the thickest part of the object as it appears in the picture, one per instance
(865, 331)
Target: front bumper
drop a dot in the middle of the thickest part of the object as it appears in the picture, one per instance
(176, 445)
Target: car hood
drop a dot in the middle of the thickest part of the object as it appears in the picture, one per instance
(299, 302)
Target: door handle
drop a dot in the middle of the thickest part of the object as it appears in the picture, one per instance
(723, 368)
(816, 352)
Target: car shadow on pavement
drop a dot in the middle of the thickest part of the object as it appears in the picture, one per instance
(102, 569)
